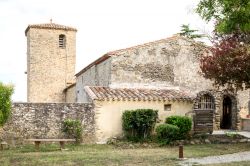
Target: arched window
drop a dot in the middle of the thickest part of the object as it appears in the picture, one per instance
(206, 102)
(62, 41)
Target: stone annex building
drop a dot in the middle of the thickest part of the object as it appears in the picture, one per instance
(162, 75)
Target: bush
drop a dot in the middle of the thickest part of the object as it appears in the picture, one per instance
(139, 124)
(5, 102)
(167, 133)
(184, 123)
(73, 129)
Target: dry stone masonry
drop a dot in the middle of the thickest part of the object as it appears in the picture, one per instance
(44, 120)
(50, 67)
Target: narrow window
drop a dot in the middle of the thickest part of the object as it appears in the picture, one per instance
(167, 107)
(62, 41)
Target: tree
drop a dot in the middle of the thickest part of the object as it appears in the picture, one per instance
(189, 33)
(229, 63)
(230, 16)
(5, 102)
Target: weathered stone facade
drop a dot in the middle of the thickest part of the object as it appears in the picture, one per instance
(218, 97)
(168, 63)
(44, 120)
(172, 63)
(50, 66)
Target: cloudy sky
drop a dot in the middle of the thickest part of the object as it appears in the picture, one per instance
(103, 26)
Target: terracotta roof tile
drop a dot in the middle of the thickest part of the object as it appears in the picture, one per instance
(50, 26)
(107, 93)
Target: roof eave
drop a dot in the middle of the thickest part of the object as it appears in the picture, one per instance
(66, 29)
(96, 62)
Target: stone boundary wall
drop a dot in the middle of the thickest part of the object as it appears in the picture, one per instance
(44, 120)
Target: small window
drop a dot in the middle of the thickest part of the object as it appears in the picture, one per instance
(62, 41)
(206, 102)
(167, 107)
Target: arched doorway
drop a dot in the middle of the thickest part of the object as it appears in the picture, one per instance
(226, 117)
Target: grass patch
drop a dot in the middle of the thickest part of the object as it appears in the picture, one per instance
(50, 154)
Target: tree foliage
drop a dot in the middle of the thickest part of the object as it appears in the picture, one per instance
(229, 63)
(230, 15)
(189, 33)
(5, 102)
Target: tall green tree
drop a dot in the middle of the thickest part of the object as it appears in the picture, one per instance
(189, 33)
(230, 16)
(5, 102)
(229, 63)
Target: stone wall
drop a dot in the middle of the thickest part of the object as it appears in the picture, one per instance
(245, 124)
(49, 67)
(244, 103)
(218, 97)
(44, 120)
(70, 94)
(97, 75)
(172, 62)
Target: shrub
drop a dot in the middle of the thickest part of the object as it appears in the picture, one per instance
(139, 124)
(73, 129)
(167, 133)
(5, 102)
(184, 123)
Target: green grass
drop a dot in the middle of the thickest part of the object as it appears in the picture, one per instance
(50, 155)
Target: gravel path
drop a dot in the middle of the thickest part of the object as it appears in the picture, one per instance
(241, 156)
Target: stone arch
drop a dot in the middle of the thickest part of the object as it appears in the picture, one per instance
(199, 95)
(218, 97)
(235, 118)
(204, 108)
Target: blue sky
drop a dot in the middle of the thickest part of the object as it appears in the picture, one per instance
(102, 26)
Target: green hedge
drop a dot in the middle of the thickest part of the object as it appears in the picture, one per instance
(5, 102)
(167, 133)
(139, 124)
(184, 123)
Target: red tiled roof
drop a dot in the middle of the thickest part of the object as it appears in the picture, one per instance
(107, 93)
(50, 26)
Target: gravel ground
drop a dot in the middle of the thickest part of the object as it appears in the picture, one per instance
(241, 156)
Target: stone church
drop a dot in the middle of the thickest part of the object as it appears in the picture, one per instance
(163, 75)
